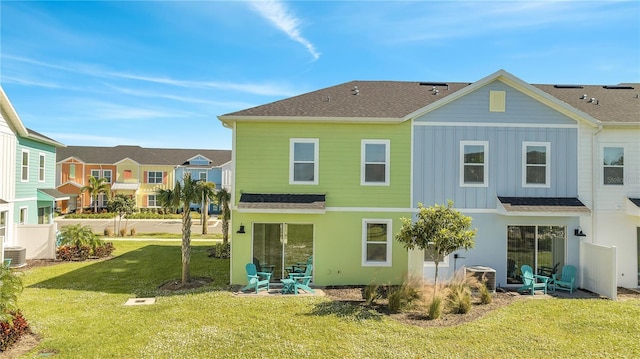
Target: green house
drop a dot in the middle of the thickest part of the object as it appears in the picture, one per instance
(313, 180)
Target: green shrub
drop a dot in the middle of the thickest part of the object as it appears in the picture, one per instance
(222, 250)
(10, 287)
(89, 215)
(11, 331)
(78, 235)
(435, 307)
(371, 293)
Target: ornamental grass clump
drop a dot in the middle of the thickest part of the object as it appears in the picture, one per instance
(371, 293)
(459, 292)
(485, 294)
(403, 296)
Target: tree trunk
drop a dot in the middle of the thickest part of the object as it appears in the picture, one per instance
(435, 286)
(205, 215)
(186, 244)
(225, 229)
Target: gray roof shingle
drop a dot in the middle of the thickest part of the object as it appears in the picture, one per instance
(396, 99)
(147, 156)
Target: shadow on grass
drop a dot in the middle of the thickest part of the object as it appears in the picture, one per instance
(141, 272)
(347, 310)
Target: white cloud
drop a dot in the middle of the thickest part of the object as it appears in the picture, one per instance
(278, 14)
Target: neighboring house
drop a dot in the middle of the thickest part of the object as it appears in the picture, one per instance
(27, 193)
(132, 170)
(524, 161)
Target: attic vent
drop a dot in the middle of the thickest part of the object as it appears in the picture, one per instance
(618, 87)
(355, 90)
(568, 86)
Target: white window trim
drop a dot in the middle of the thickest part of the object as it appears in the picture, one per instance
(316, 162)
(155, 201)
(42, 156)
(389, 224)
(602, 166)
(98, 172)
(485, 145)
(154, 178)
(432, 264)
(205, 176)
(547, 180)
(22, 165)
(26, 215)
(110, 175)
(387, 162)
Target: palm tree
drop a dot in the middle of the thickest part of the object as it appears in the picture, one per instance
(224, 197)
(207, 191)
(182, 195)
(94, 188)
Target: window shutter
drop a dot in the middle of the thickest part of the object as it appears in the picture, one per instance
(164, 177)
(145, 200)
(144, 179)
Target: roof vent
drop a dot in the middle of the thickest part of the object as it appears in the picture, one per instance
(434, 84)
(355, 90)
(594, 101)
(568, 86)
(618, 87)
(583, 97)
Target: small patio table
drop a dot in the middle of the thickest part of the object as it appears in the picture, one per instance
(288, 286)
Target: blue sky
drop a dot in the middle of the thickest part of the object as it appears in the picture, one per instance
(158, 73)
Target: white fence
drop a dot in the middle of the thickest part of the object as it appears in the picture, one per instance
(598, 269)
(38, 239)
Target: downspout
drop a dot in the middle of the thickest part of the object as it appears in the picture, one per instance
(594, 176)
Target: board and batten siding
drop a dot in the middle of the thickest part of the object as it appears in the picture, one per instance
(474, 108)
(437, 136)
(262, 162)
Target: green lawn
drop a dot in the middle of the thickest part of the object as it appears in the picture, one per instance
(78, 310)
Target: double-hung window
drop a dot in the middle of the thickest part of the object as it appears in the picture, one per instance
(154, 177)
(106, 174)
(374, 168)
(95, 174)
(25, 166)
(474, 164)
(152, 201)
(376, 242)
(613, 165)
(41, 168)
(303, 165)
(536, 170)
(202, 176)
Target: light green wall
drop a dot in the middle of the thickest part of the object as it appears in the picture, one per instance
(262, 166)
(262, 162)
(337, 246)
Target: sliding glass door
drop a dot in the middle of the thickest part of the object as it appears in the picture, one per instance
(280, 245)
(541, 247)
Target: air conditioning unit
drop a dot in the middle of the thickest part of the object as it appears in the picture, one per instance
(483, 273)
(18, 256)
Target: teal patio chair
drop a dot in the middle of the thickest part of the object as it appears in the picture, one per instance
(7, 262)
(299, 267)
(566, 281)
(532, 282)
(256, 280)
(298, 281)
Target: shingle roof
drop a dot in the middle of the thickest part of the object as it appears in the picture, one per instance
(396, 99)
(635, 201)
(148, 156)
(542, 204)
(282, 201)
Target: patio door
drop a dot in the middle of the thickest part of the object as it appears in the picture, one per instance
(280, 245)
(541, 247)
